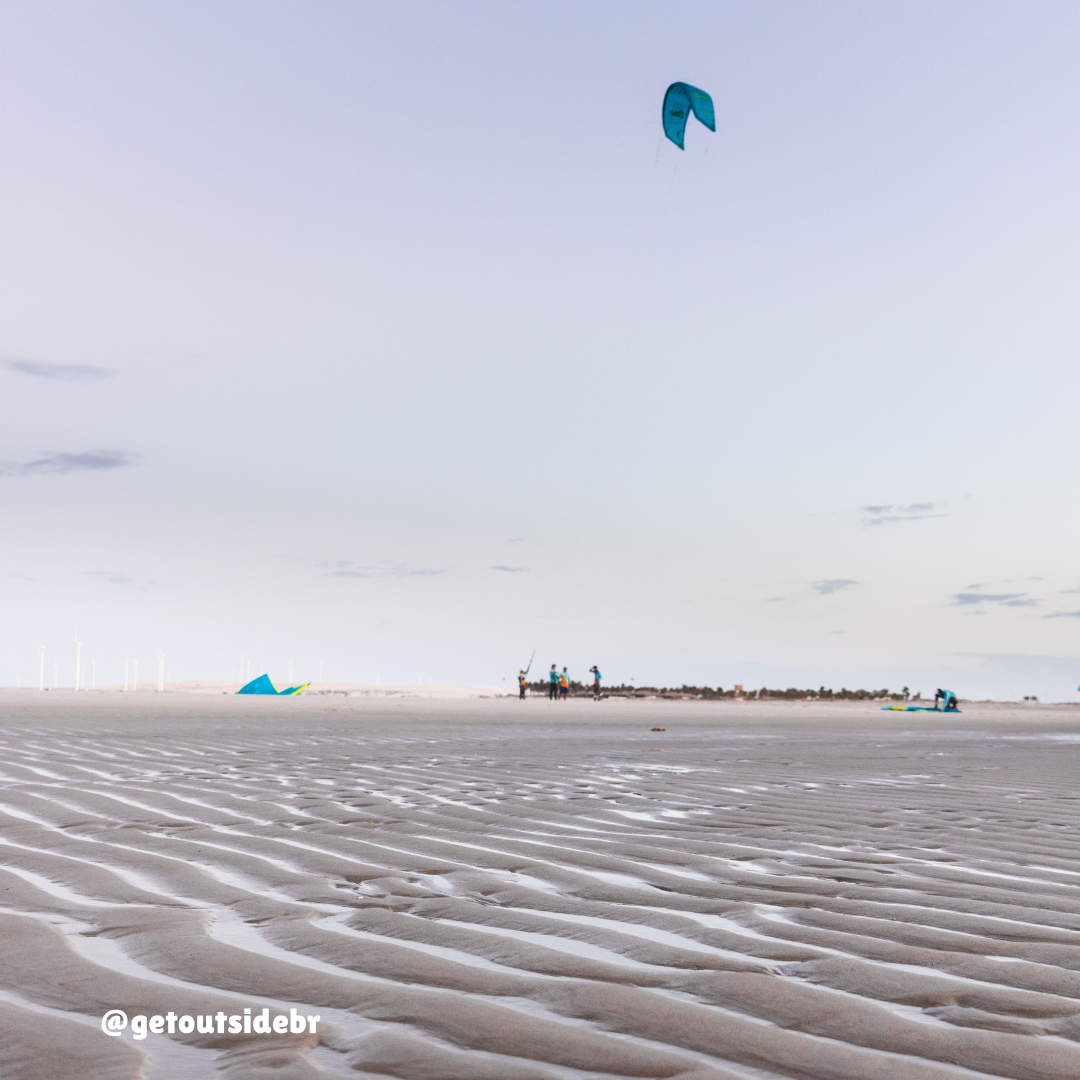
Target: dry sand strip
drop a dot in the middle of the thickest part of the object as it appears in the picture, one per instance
(504, 890)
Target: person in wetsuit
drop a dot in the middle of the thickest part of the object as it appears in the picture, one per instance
(947, 699)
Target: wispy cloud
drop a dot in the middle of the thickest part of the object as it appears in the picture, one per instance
(1003, 581)
(827, 588)
(42, 369)
(348, 568)
(89, 460)
(888, 514)
(118, 577)
(1064, 614)
(966, 599)
(511, 569)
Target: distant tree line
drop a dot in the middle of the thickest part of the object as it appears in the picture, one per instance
(709, 693)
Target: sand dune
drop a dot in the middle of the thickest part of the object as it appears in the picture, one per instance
(477, 889)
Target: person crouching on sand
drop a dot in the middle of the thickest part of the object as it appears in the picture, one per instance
(595, 682)
(553, 683)
(564, 685)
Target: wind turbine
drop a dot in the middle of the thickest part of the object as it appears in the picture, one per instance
(41, 679)
(78, 659)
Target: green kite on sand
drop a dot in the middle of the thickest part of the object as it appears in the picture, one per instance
(263, 685)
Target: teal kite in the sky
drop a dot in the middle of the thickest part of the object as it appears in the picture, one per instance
(263, 685)
(680, 101)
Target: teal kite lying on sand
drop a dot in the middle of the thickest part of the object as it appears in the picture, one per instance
(263, 685)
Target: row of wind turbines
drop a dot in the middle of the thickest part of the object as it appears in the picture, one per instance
(131, 670)
(131, 666)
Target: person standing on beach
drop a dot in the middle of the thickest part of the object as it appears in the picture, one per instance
(564, 685)
(553, 680)
(595, 682)
(521, 685)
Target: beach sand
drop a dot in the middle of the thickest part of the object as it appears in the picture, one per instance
(500, 890)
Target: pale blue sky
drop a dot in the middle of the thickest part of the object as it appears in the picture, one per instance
(411, 344)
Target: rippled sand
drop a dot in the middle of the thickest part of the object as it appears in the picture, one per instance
(497, 890)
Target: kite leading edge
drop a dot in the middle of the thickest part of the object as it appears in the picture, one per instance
(680, 100)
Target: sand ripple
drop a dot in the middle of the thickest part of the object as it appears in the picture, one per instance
(470, 900)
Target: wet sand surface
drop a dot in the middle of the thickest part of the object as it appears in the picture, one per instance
(498, 890)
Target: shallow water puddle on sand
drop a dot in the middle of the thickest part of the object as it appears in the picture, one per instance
(638, 815)
(230, 811)
(526, 881)
(947, 1068)
(62, 892)
(574, 946)
(907, 1012)
(336, 924)
(130, 877)
(609, 877)
(715, 922)
(278, 864)
(677, 871)
(778, 915)
(237, 880)
(230, 929)
(542, 1012)
(642, 930)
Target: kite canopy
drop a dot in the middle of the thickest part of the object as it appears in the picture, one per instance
(263, 685)
(947, 697)
(680, 101)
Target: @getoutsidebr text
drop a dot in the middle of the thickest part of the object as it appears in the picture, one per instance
(115, 1022)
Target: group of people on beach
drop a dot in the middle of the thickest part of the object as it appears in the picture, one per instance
(559, 683)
